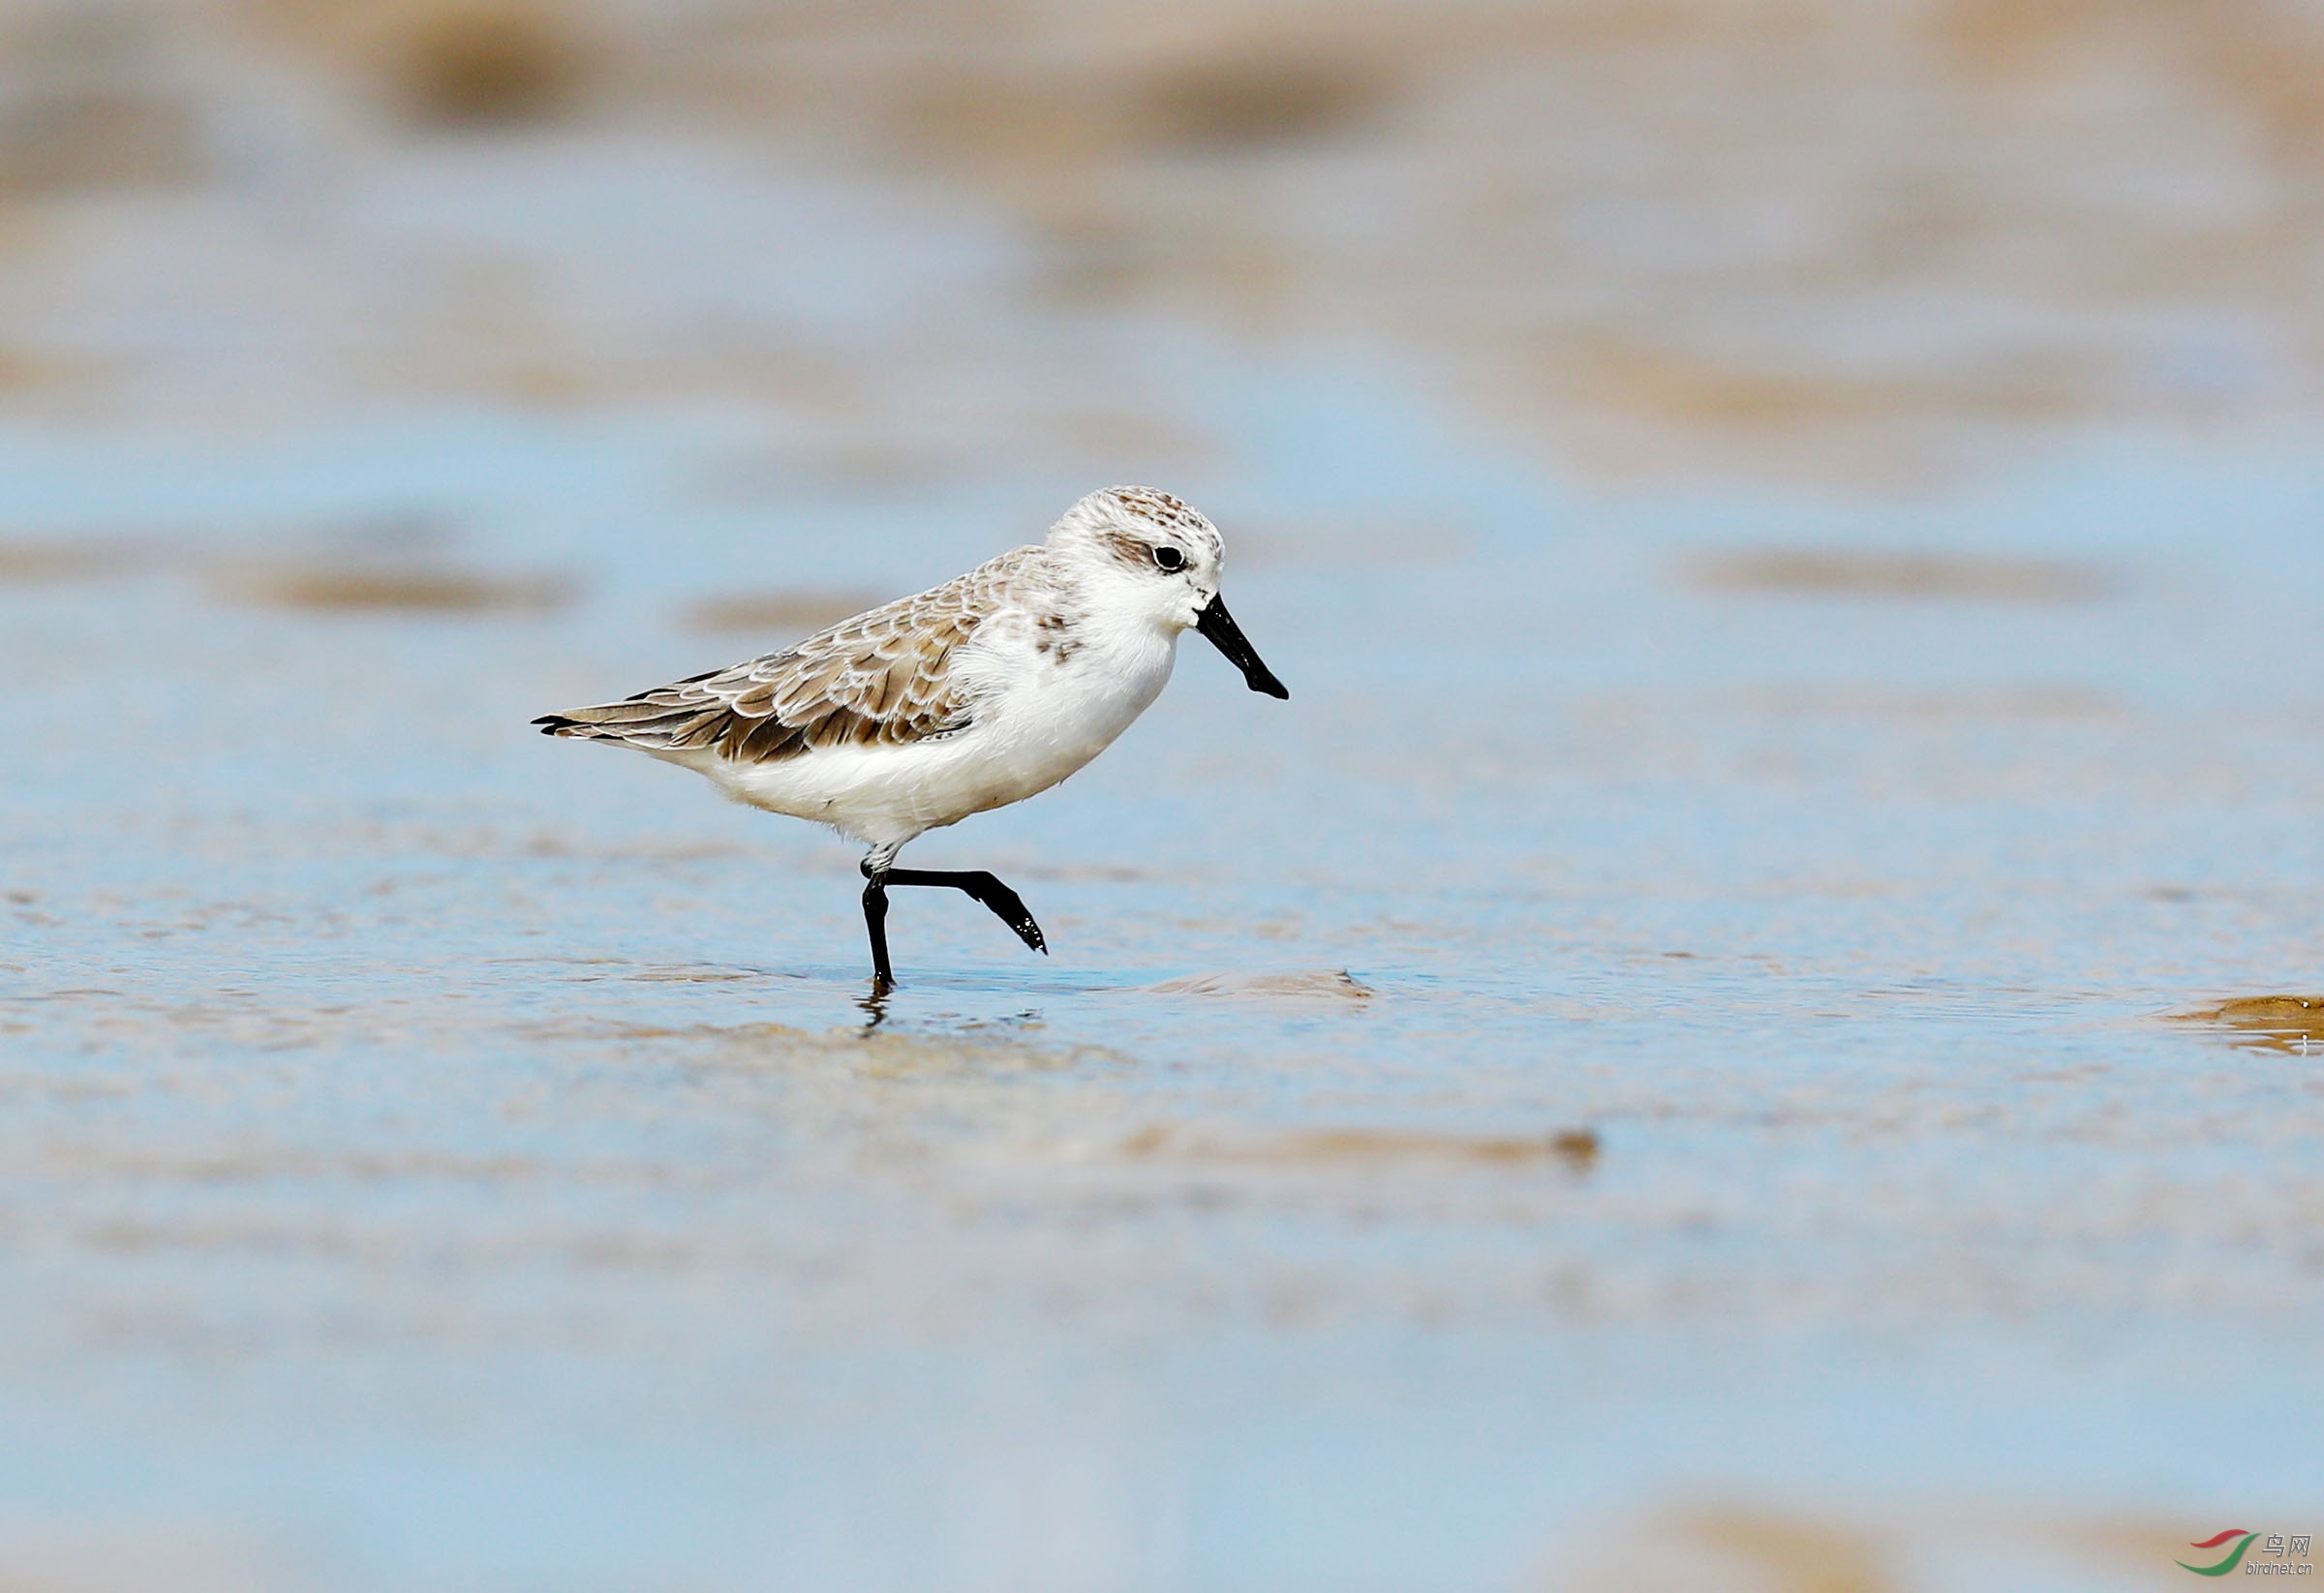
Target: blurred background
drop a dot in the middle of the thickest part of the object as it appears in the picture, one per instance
(1879, 244)
(1750, 1025)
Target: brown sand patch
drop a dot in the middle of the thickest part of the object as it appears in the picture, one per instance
(54, 560)
(1718, 1547)
(63, 142)
(419, 591)
(2269, 1023)
(1576, 1149)
(1252, 100)
(1695, 386)
(484, 64)
(731, 1033)
(1806, 1549)
(777, 611)
(1330, 984)
(1853, 574)
(1028, 116)
(1009, 123)
(90, 110)
(1799, 1556)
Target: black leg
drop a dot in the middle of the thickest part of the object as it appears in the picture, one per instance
(1004, 903)
(876, 920)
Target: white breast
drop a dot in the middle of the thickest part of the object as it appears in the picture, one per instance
(1046, 699)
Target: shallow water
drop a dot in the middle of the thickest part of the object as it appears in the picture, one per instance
(1747, 1035)
(1609, 1042)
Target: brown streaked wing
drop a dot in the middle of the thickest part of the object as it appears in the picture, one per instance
(880, 678)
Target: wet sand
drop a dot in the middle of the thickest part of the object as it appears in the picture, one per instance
(1771, 1051)
(1750, 1023)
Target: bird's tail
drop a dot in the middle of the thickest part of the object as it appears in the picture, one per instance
(637, 723)
(664, 718)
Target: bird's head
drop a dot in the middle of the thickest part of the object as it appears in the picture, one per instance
(1162, 558)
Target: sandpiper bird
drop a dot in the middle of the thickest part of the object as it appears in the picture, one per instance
(972, 695)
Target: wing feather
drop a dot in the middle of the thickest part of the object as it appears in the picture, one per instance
(883, 677)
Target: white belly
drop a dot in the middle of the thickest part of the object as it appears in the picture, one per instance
(1036, 720)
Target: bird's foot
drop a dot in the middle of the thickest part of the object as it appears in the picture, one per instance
(1007, 906)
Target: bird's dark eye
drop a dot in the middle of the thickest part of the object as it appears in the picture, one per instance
(1169, 558)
